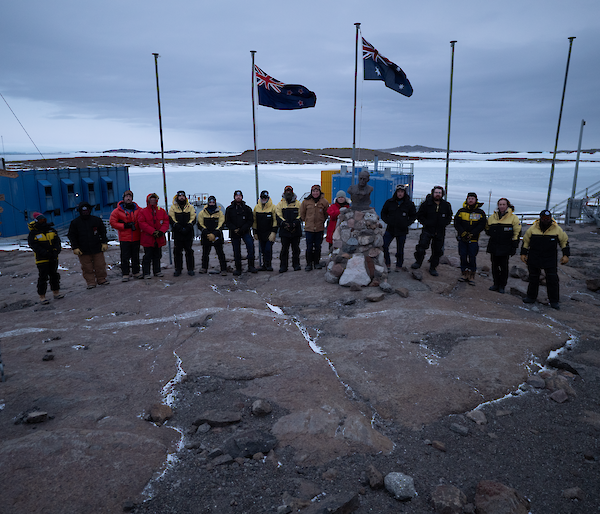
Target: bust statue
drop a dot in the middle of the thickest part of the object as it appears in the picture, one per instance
(360, 193)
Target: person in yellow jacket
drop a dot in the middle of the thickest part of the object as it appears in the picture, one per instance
(313, 213)
(182, 218)
(210, 221)
(504, 229)
(264, 228)
(540, 251)
(290, 229)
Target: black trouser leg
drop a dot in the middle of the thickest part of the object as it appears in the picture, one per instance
(221, 256)
(534, 282)
(43, 274)
(284, 255)
(437, 249)
(422, 245)
(552, 284)
(190, 261)
(125, 247)
(296, 252)
(236, 242)
(206, 246)
(178, 254)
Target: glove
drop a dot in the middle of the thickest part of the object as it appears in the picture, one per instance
(211, 238)
(178, 227)
(564, 259)
(236, 231)
(156, 234)
(77, 251)
(513, 251)
(255, 236)
(129, 224)
(272, 236)
(515, 246)
(286, 225)
(104, 247)
(524, 258)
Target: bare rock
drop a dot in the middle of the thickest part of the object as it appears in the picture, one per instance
(248, 443)
(459, 429)
(261, 408)
(386, 287)
(331, 278)
(574, 493)
(448, 499)
(593, 284)
(559, 382)
(536, 381)
(477, 416)
(374, 477)
(496, 498)
(518, 272)
(375, 297)
(36, 416)
(222, 460)
(218, 418)
(400, 485)
(402, 291)
(159, 413)
(559, 396)
(330, 474)
(417, 275)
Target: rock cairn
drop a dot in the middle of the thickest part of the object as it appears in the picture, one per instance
(357, 256)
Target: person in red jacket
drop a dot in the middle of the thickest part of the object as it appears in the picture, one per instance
(124, 220)
(333, 211)
(154, 223)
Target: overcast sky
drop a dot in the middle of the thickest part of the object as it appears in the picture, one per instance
(80, 75)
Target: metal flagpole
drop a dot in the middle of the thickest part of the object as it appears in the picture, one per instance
(449, 119)
(577, 160)
(254, 125)
(558, 128)
(355, 88)
(162, 151)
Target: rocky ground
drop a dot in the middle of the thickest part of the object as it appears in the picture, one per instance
(281, 392)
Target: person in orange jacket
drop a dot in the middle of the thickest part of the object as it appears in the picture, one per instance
(154, 223)
(124, 220)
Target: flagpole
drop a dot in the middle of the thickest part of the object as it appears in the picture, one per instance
(357, 25)
(558, 128)
(449, 119)
(162, 151)
(254, 125)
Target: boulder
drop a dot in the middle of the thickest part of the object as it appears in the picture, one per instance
(495, 498)
(400, 485)
(355, 272)
(448, 499)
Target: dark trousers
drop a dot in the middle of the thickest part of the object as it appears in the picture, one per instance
(437, 247)
(313, 247)
(551, 283)
(130, 252)
(266, 248)
(286, 242)
(206, 246)
(179, 246)
(500, 269)
(48, 271)
(468, 255)
(152, 256)
(387, 240)
(236, 242)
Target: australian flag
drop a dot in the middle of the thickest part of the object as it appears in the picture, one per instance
(377, 67)
(275, 94)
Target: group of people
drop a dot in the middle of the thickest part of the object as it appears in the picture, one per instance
(146, 227)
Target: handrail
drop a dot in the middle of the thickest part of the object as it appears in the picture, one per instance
(578, 195)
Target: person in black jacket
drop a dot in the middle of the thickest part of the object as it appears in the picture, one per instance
(239, 219)
(87, 234)
(469, 221)
(399, 213)
(435, 214)
(45, 243)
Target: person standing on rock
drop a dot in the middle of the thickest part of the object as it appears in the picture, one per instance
(88, 238)
(504, 229)
(540, 251)
(45, 243)
(399, 213)
(154, 223)
(290, 229)
(124, 220)
(333, 211)
(182, 218)
(313, 212)
(239, 219)
(210, 221)
(469, 222)
(265, 229)
(435, 214)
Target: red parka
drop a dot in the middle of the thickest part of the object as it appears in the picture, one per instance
(120, 216)
(333, 211)
(151, 219)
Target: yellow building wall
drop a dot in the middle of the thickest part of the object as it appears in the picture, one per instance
(326, 181)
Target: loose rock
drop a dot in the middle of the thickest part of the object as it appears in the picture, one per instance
(217, 418)
(477, 416)
(374, 477)
(400, 485)
(261, 408)
(459, 429)
(402, 291)
(496, 498)
(159, 413)
(448, 499)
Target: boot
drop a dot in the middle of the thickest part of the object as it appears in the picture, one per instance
(471, 278)
(58, 295)
(251, 267)
(464, 277)
(43, 300)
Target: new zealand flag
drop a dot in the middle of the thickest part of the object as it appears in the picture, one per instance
(377, 67)
(275, 94)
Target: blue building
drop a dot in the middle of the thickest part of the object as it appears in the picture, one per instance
(56, 193)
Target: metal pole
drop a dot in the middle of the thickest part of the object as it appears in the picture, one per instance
(254, 125)
(577, 160)
(449, 118)
(357, 25)
(162, 151)
(558, 128)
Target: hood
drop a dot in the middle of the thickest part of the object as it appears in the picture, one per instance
(121, 205)
(241, 203)
(508, 211)
(476, 206)
(33, 225)
(406, 197)
(175, 202)
(217, 208)
(84, 204)
(294, 197)
(148, 198)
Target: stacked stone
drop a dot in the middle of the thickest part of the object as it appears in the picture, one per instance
(357, 256)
